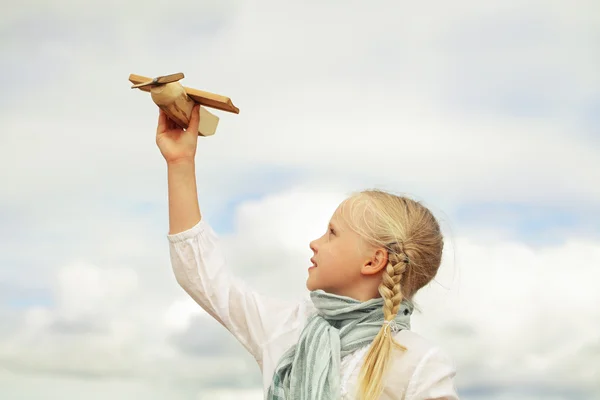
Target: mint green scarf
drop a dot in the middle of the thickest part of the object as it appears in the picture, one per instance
(310, 370)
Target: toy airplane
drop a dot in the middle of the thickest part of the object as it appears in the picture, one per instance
(177, 101)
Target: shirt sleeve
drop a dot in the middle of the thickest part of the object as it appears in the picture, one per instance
(433, 378)
(200, 269)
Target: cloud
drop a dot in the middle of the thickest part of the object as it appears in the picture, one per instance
(203, 339)
(511, 303)
(475, 107)
(252, 394)
(521, 319)
(91, 320)
(423, 106)
(103, 327)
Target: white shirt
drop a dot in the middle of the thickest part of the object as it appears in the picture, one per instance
(268, 327)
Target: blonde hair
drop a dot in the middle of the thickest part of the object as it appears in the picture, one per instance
(412, 236)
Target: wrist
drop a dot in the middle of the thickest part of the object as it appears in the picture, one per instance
(179, 162)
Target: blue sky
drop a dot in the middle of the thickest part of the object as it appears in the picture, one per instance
(488, 112)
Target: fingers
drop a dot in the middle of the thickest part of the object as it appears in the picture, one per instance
(162, 121)
(165, 123)
(194, 119)
(172, 125)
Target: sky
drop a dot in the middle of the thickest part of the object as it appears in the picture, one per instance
(487, 112)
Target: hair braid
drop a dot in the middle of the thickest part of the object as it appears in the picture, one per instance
(378, 357)
(391, 290)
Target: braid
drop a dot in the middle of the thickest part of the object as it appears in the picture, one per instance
(378, 357)
(391, 290)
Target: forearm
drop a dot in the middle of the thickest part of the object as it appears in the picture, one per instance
(184, 211)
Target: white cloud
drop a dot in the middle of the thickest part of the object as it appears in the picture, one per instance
(252, 394)
(84, 289)
(505, 311)
(333, 100)
(523, 318)
(178, 315)
(94, 319)
(427, 99)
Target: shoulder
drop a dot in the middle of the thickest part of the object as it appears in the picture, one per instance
(415, 344)
(423, 368)
(418, 350)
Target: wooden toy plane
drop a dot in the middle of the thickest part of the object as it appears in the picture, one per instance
(177, 101)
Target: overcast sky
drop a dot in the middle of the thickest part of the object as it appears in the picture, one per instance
(488, 112)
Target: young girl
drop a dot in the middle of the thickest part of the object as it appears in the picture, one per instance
(352, 339)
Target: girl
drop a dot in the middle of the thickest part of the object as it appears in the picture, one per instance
(352, 339)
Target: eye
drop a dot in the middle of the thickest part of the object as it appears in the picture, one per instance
(332, 231)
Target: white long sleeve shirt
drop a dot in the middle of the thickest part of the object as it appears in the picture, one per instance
(268, 327)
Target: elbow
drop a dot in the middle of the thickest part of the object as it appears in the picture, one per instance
(196, 285)
(183, 266)
(184, 277)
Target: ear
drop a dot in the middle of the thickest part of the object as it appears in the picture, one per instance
(377, 262)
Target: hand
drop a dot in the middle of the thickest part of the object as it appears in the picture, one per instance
(177, 144)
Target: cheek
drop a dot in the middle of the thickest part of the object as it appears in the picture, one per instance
(333, 257)
(341, 256)
(341, 262)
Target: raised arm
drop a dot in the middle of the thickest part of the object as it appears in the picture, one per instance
(184, 211)
(178, 147)
(198, 263)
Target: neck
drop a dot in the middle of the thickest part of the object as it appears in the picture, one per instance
(363, 290)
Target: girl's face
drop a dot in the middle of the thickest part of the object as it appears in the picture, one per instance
(342, 260)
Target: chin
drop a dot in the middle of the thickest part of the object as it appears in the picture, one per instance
(311, 285)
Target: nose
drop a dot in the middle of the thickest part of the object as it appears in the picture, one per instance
(313, 246)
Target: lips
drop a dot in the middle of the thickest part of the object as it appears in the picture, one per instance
(314, 264)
